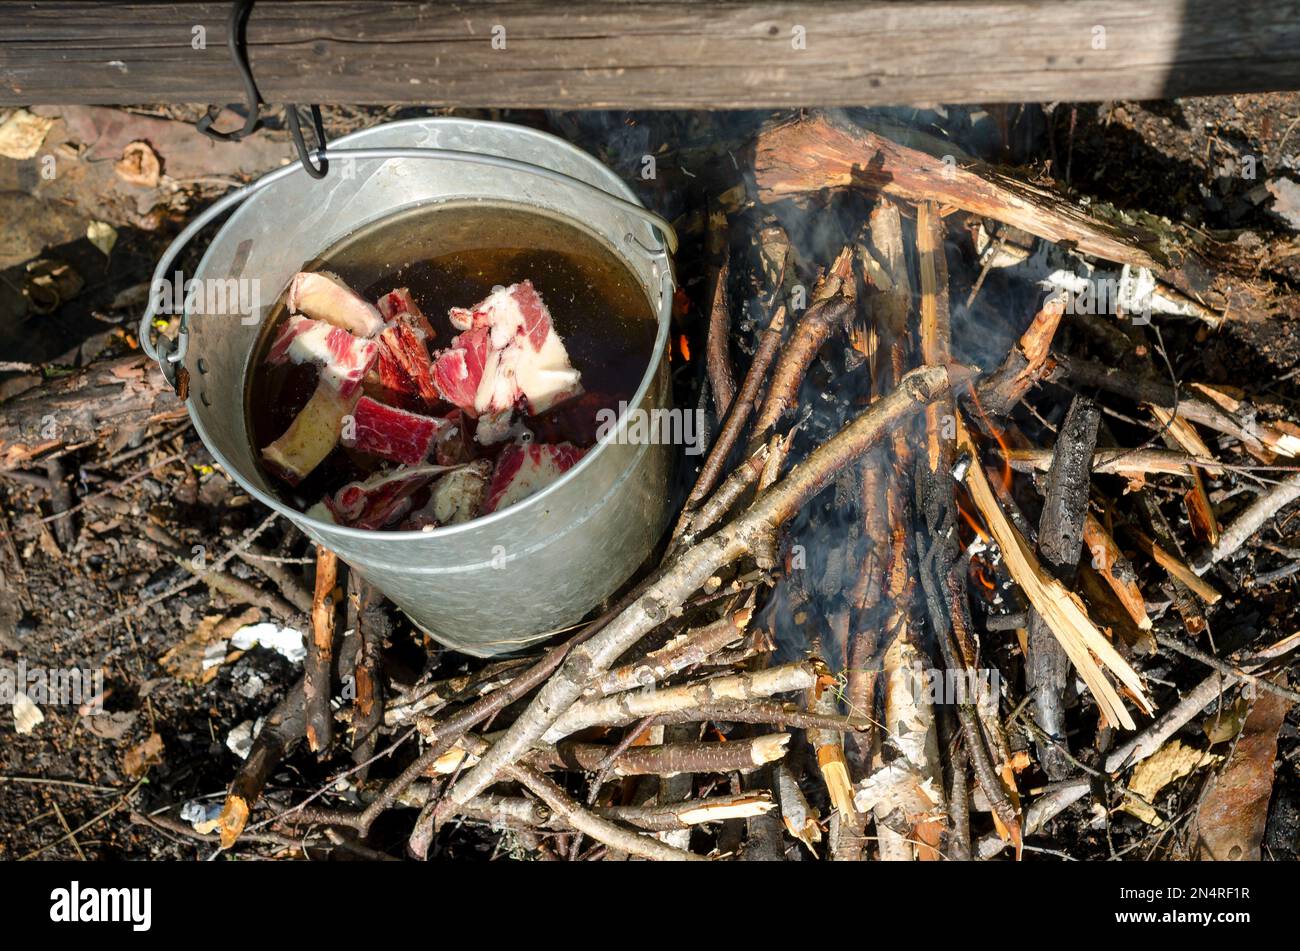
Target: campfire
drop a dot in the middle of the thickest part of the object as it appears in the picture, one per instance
(947, 565)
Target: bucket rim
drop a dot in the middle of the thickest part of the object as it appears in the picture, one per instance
(663, 317)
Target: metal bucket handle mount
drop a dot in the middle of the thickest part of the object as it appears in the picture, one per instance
(168, 352)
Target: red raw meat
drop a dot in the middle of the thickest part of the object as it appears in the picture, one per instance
(344, 359)
(393, 433)
(382, 499)
(399, 303)
(525, 469)
(406, 366)
(455, 445)
(508, 353)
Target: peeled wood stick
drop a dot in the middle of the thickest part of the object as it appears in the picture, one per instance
(811, 154)
(627, 707)
(286, 724)
(668, 759)
(936, 332)
(366, 616)
(1173, 565)
(1119, 461)
(717, 350)
(686, 572)
(828, 745)
(1245, 525)
(1111, 564)
(1026, 364)
(685, 650)
(320, 652)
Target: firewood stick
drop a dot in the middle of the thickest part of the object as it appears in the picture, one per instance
(1026, 363)
(1176, 568)
(1245, 525)
(626, 707)
(366, 617)
(1120, 461)
(798, 817)
(936, 333)
(773, 713)
(286, 724)
(832, 305)
(515, 810)
(814, 153)
(738, 414)
(733, 488)
(1254, 437)
(669, 759)
(685, 650)
(1060, 542)
(686, 572)
(320, 653)
(1141, 746)
(828, 746)
(109, 401)
(1115, 569)
(294, 591)
(584, 821)
(717, 350)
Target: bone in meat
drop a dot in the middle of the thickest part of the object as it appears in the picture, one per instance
(344, 359)
(312, 435)
(508, 353)
(455, 498)
(523, 470)
(393, 433)
(322, 295)
(382, 499)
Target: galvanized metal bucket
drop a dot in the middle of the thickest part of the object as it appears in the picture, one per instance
(511, 578)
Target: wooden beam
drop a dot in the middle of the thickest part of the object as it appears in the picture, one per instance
(665, 54)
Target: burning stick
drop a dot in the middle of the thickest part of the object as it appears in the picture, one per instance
(689, 570)
(1060, 542)
(811, 154)
(320, 653)
(1058, 607)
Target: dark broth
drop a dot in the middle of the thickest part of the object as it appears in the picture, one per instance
(452, 255)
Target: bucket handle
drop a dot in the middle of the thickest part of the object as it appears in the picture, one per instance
(170, 352)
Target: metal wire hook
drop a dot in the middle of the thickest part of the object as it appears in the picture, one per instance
(295, 130)
(236, 41)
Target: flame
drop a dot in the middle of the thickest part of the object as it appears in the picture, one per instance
(970, 520)
(685, 346)
(998, 438)
(981, 575)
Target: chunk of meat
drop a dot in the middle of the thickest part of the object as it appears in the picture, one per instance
(406, 337)
(456, 497)
(454, 442)
(507, 354)
(398, 303)
(392, 433)
(382, 499)
(344, 358)
(522, 470)
(404, 345)
(322, 295)
(312, 435)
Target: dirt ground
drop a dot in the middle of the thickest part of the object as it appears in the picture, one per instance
(68, 788)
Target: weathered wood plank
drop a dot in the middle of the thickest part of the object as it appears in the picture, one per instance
(667, 53)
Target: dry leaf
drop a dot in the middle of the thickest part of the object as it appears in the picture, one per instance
(139, 758)
(110, 726)
(139, 165)
(102, 235)
(1172, 761)
(185, 660)
(23, 134)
